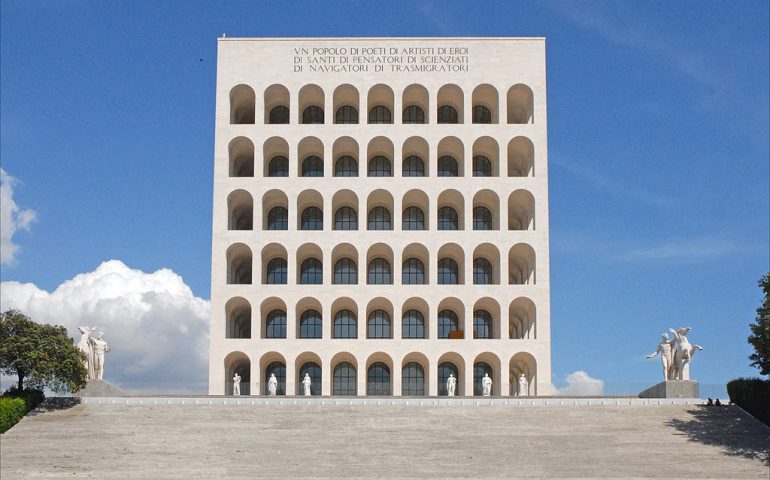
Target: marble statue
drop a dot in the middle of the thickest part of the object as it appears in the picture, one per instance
(451, 385)
(99, 347)
(523, 389)
(666, 352)
(683, 353)
(486, 385)
(272, 385)
(306, 382)
(236, 384)
(84, 345)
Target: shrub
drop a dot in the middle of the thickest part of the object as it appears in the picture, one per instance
(32, 397)
(11, 411)
(753, 395)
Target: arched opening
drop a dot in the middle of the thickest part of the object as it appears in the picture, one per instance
(309, 319)
(450, 319)
(276, 104)
(451, 261)
(346, 101)
(521, 157)
(415, 261)
(345, 154)
(309, 265)
(308, 363)
(486, 210)
(485, 104)
(379, 206)
(415, 105)
(273, 314)
(378, 375)
(450, 104)
(380, 157)
(238, 318)
(242, 105)
(275, 155)
(486, 364)
(414, 313)
(344, 377)
(450, 158)
(379, 261)
(310, 205)
(521, 211)
(486, 157)
(379, 319)
(486, 319)
(311, 104)
(486, 265)
(238, 264)
(345, 322)
(522, 319)
(345, 259)
(241, 153)
(273, 364)
(415, 157)
(275, 212)
(274, 259)
(520, 104)
(310, 153)
(451, 364)
(521, 265)
(345, 205)
(451, 210)
(414, 375)
(416, 210)
(240, 208)
(380, 104)
(237, 362)
(523, 363)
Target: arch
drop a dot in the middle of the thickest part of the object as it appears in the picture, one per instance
(450, 147)
(276, 104)
(241, 155)
(310, 156)
(379, 318)
(240, 363)
(345, 207)
(379, 375)
(273, 363)
(415, 326)
(240, 210)
(344, 318)
(309, 319)
(489, 200)
(454, 200)
(492, 308)
(450, 318)
(379, 96)
(239, 261)
(415, 199)
(345, 261)
(242, 104)
(275, 219)
(415, 154)
(486, 157)
(455, 253)
(310, 207)
(274, 273)
(455, 360)
(522, 319)
(490, 253)
(343, 374)
(345, 154)
(308, 362)
(275, 157)
(521, 210)
(309, 264)
(346, 104)
(414, 102)
(523, 362)
(379, 261)
(378, 219)
(419, 252)
(521, 157)
(311, 104)
(415, 375)
(450, 95)
(520, 104)
(493, 361)
(237, 318)
(273, 320)
(521, 265)
(486, 97)
(377, 148)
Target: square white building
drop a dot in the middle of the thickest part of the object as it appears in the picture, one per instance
(380, 216)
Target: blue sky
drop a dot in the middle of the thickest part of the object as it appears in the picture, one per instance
(658, 138)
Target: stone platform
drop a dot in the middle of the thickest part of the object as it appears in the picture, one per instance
(186, 437)
(672, 389)
(100, 388)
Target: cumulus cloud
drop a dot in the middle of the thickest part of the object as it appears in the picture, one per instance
(579, 383)
(12, 218)
(157, 329)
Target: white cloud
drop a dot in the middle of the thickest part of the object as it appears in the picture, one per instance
(579, 383)
(157, 329)
(686, 250)
(12, 218)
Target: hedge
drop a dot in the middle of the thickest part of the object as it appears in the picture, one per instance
(11, 411)
(753, 395)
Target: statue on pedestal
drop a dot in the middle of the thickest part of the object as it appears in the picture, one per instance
(523, 389)
(99, 347)
(236, 384)
(666, 352)
(486, 386)
(675, 354)
(93, 345)
(272, 385)
(84, 345)
(306, 382)
(451, 385)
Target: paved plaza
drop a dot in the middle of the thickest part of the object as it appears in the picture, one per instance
(162, 440)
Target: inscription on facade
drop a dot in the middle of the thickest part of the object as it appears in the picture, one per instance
(369, 59)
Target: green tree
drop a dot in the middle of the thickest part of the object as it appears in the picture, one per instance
(40, 355)
(760, 331)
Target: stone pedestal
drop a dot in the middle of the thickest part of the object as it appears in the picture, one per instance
(673, 389)
(100, 388)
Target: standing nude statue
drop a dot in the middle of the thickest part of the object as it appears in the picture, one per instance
(99, 347)
(666, 352)
(306, 382)
(523, 390)
(486, 385)
(451, 385)
(272, 385)
(236, 384)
